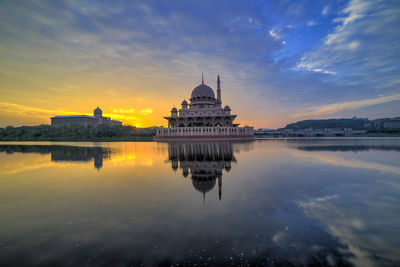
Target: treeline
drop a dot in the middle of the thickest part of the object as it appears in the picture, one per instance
(75, 133)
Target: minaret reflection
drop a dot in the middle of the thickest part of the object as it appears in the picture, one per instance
(204, 161)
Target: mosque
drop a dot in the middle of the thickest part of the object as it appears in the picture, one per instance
(85, 120)
(203, 118)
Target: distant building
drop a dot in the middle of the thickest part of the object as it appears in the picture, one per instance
(391, 124)
(265, 131)
(368, 125)
(310, 132)
(85, 120)
(385, 123)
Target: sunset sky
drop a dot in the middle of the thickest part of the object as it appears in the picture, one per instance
(279, 61)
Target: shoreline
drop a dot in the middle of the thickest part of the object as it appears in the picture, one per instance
(141, 139)
(150, 139)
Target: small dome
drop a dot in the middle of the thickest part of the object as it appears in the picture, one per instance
(184, 102)
(203, 91)
(174, 109)
(227, 108)
(98, 112)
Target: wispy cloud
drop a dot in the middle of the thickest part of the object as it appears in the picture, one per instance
(146, 111)
(348, 163)
(350, 105)
(325, 10)
(28, 110)
(127, 116)
(274, 34)
(310, 67)
(363, 47)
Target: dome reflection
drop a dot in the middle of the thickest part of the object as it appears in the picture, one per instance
(204, 161)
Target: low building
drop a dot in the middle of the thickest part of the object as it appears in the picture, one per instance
(85, 120)
(310, 132)
(384, 123)
(391, 124)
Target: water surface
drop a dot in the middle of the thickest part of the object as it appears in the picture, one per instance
(288, 202)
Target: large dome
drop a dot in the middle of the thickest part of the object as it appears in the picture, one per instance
(203, 91)
(203, 185)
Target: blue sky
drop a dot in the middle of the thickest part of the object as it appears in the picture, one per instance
(280, 61)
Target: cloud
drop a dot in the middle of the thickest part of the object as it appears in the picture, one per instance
(356, 10)
(146, 111)
(274, 34)
(325, 10)
(125, 116)
(28, 110)
(129, 111)
(323, 71)
(311, 23)
(350, 105)
(363, 47)
(317, 201)
(310, 67)
(348, 163)
(156, 51)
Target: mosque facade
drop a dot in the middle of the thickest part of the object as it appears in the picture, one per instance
(85, 120)
(203, 117)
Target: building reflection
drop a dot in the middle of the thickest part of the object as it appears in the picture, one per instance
(63, 153)
(203, 161)
(343, 144)
(349, 148)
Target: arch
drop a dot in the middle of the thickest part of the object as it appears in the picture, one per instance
(227, 121)
(208, 121)
(218, 121)
(181, 122)
(172, 122)
(199, 122)
(190, 122)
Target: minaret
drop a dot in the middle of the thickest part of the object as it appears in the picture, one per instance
(219, 91)
(220, 186)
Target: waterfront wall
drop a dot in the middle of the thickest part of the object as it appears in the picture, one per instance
(310, 132)
(204, 133)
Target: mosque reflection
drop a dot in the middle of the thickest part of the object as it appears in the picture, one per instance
(60, 153)
(203, 161)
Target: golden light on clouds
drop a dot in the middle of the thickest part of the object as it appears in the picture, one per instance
(127, 116)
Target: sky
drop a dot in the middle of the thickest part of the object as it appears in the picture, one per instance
(279, 61)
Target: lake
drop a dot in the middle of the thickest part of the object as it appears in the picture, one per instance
(286, 202)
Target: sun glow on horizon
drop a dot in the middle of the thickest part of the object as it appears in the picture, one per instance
(65, 59)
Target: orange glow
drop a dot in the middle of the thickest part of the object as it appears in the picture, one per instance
(131, 154)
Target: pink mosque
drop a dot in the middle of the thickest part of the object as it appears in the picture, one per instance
(203, 118)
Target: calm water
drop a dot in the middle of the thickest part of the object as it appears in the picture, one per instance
(294, 202)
